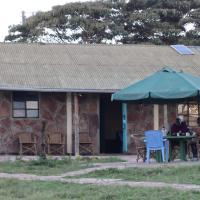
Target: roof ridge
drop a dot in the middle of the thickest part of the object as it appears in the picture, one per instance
(84, 44)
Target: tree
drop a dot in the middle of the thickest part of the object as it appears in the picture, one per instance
(138, 21)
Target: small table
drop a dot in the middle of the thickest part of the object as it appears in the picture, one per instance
(182, 142)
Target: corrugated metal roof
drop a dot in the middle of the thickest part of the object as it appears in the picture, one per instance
(89, 68)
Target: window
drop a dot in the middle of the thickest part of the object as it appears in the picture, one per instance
(190, 112)
(25, 105)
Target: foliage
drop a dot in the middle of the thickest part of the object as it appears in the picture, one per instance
(138, 21)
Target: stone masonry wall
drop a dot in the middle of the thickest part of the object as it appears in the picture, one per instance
(89, 118)
(52, 110)
(140, 118)
(172, 117)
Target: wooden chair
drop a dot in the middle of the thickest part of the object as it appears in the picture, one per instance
(139, 145)
(198, 149)
(55, 143)
(195, 141)
(175, 152)
(85, 143)
(28, 143)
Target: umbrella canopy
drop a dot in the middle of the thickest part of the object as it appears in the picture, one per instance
(165, 85)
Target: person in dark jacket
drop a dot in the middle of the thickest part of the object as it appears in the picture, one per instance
(183, 127)
(176, 127)
(179, 126)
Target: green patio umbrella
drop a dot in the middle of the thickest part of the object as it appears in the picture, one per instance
(163, 86)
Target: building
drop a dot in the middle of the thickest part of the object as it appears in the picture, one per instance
(70, 87)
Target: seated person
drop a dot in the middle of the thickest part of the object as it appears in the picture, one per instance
(176, 127)
(179, 126)
(183, 128)
(192, 143)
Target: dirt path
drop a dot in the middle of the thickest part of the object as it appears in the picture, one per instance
(123, 165)
(114, 182)
(102, 182)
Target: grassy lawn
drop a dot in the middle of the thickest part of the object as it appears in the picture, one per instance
(36, 190)
(52, 167)
(189, 174)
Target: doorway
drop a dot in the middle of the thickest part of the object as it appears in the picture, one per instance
(110, 125)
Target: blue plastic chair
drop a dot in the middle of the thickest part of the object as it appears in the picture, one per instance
(154, 141)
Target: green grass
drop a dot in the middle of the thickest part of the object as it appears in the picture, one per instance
(37, 190)
(189, 174)
(50, 166)
(95, 159)
(43, 167)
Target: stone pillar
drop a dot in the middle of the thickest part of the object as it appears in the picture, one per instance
(156, 116)
(165, 116)
(76, 123)
(69, 122)
(98, 130)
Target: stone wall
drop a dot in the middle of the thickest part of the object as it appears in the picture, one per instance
(139, 119)
(89, 118)
(172, 117)
(52, 110)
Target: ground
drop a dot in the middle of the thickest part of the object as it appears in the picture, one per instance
(94, 178)
(52, 166)
(167, 174)
(26, 190)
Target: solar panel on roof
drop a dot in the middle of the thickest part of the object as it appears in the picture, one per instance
(182, 49)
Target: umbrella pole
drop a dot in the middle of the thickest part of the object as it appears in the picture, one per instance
(124, 124)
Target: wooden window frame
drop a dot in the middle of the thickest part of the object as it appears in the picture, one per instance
(26, 97)
(187, 115)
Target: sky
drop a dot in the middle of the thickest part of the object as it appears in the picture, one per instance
(11, 11)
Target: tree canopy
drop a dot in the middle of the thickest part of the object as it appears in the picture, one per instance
(138, 21)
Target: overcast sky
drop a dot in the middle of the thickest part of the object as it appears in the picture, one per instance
(10, 11)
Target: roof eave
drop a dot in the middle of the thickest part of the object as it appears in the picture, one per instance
(73, 90)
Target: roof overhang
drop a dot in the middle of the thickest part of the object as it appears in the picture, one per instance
(67, 90)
